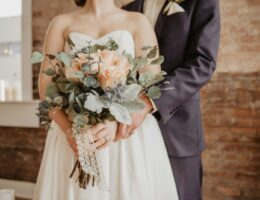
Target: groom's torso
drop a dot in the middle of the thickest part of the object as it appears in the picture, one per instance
(183, 133)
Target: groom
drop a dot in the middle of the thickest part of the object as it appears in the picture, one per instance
(188, 36)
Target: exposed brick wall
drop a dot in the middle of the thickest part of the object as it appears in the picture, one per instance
(240, 36)
(231, 115)
(21, 152)
(230, 108)
(43, 12)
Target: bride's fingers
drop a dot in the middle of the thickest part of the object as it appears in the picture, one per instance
(99, 136)
(121, 131)
(129, 131)
(106, 144)
(102, 140)
(74, 147)
(96, 129)
(72, 142)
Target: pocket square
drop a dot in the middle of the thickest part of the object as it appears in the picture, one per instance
(172, 8)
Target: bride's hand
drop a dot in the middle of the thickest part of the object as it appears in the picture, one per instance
(125, 131)
(104, 134)
(71, 140)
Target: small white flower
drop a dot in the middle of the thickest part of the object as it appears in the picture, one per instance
(173, 7)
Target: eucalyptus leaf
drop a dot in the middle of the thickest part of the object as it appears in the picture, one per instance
(129, 57)
(85, 67)
(50, 56)
(36, 57)
(120, 113)
(70, 87)
(112, 45)
(133, 106)
(152, 53)
(70, 42)
(48, 99)
(78, 102)
(93, 103)
(64, 58)
(58, 100)
(145, 78)
(146, 48)
(97, 47)
(131, 92)
(158, 61)
(62, 87)
(62, 80)
(49, 72)
(141, 61)
(90, 81)
(71, 98)
(79, 74)
(154, 92)
(51, 89)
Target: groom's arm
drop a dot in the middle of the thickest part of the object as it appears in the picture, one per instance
(200, 59)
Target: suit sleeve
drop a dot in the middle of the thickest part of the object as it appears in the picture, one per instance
(199, 62)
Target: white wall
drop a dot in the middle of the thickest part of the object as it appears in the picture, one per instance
(10, 29)
(10, 67)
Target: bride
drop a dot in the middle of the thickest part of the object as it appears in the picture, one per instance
(135, 169)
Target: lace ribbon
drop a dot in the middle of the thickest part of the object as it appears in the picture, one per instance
(89, 165)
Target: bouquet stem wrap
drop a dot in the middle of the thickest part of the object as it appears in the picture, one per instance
(89, 167)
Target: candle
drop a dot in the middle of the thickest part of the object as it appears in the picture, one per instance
(7, 194)
(9, 93)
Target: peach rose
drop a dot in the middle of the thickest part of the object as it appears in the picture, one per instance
(70, 71)
(113, 69)
(79, 61)
(83, 58)
(75, 66)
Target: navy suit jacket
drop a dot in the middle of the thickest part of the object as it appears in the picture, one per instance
(189, 42)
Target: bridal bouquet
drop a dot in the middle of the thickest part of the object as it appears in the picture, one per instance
(94, 84)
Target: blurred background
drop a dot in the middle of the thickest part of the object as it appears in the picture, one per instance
(230, 101)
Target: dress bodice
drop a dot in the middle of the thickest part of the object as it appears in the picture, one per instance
(123, 38)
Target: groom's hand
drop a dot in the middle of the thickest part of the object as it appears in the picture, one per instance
(124, 131)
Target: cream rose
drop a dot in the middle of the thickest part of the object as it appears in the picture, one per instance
(113, 69)
(77, 63)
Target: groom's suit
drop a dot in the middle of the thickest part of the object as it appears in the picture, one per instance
(189, 42)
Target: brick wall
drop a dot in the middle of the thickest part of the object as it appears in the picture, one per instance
(20, 152)
(230, 108)
(231, 115)
(240, 38)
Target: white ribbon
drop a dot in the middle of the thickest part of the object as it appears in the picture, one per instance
(172, 8)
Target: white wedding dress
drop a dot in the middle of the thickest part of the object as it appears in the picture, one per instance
(135, 169)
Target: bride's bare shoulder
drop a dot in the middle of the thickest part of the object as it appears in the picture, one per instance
(59, 24)
(136, 15)
(140, 24)
(138, 20)
(62, 21)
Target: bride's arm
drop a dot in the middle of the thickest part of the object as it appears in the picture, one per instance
(144, 35)
(53, 43)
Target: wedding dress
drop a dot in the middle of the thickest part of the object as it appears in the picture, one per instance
(137, 168)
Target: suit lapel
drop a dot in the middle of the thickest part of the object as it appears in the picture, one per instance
(160, 21)
(140, 6)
